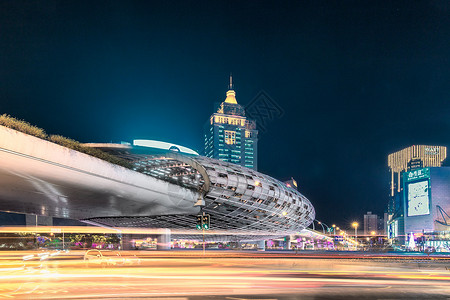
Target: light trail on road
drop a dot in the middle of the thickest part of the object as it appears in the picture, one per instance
(169, 274)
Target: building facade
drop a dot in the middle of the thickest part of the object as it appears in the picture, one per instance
(370, 223)
(426, 206)
(426, 197)
(229, 136)
(404, 166)
(408, 159)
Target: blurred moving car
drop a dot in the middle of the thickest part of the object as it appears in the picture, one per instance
(108, 258)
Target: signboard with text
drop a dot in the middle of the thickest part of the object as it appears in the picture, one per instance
(417, 192)
(417, 174)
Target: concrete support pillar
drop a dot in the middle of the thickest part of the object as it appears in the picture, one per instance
(163, 240)
(287, 244)
(34, 220)
(127, 242)
(261, 245)
(234, 245)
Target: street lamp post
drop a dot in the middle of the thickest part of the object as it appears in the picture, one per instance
(355, 224)
(323, 229)
(334, 229)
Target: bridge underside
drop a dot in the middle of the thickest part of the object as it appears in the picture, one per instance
(184, 228)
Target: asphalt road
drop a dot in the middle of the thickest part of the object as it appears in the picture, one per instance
(223, 275)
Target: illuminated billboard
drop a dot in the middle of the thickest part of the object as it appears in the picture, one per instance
(418, 198)
(417, 192)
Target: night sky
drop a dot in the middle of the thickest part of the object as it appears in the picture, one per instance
(356, 80)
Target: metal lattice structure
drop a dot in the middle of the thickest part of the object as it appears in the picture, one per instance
(237, 198)
(240, 198)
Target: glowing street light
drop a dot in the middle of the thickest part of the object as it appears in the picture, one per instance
(323, 229)
(320, 223)
(355, 225)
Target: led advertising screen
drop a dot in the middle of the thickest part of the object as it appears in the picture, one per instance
(418, 198)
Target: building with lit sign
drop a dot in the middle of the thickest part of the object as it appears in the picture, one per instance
(426, 197)
(229, 136)
(409, 160)
(413, 157)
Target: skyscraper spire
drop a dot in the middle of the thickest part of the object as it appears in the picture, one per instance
(231, 81)
(231, 94)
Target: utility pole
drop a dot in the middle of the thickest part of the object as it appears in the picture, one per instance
(203, 230)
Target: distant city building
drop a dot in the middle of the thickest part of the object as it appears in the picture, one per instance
(371, 222)
(383, 226)
(292, 183)
(229, 136)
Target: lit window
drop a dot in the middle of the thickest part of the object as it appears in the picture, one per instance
(230, 137)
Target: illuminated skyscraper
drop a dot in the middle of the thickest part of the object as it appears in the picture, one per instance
(229, 135)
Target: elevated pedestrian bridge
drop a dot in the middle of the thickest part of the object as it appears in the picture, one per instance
(43, 178)
(163, 189)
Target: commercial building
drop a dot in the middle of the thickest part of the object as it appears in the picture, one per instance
(421, 203)
(411, 158)
(229, 136)
(408, 159)
(427, 199)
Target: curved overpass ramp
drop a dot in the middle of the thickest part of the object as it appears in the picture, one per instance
(43, 178)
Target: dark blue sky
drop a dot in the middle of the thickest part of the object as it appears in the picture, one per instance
(356, 79)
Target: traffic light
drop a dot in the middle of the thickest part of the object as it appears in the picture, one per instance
(199, 224)
(206, 222)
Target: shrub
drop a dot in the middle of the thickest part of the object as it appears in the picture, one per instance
(65, 142)
(25, 127)
(22, 126)
(69, 143)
